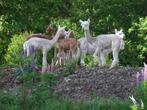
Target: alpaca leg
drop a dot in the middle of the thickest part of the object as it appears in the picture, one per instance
(44, 61)
(115, 61)
(102, 58)
(104, 55)
(64, 58)
(28, 51)
(96, 56)
(73, 51)
(82, 62)
(55, 54)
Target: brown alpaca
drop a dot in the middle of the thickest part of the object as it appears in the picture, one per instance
(65, 46)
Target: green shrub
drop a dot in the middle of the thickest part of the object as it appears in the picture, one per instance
(69, 25)
(15, 49)
(135, 52)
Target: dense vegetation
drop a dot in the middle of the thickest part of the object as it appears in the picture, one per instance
(18, 16)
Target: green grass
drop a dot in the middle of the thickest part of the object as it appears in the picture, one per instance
(41, 101)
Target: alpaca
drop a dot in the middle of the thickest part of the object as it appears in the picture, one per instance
(87, 48)
(42, 44)
(104, 42)
(145, 72)
(65, 45)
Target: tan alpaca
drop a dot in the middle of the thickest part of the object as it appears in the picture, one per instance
(37, 42)
(65, 45)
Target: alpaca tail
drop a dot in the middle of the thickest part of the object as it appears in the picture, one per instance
(24, 46)
(26, 49)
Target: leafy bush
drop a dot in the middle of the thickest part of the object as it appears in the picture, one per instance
(14, 52)
(135, 52)
(69, 25)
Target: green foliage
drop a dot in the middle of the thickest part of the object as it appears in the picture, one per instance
(43, 102)
(8, 101)
(141, 93)
(136, 46)
(35, 90)
(68, 24)
(15, 54)
(15, 49)
(70, 67)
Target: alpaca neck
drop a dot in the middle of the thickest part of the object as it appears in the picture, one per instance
(56, 37)
(88, 36)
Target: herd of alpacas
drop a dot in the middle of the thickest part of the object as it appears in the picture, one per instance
(68, 47)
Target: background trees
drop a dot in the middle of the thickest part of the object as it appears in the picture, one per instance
(20, 15)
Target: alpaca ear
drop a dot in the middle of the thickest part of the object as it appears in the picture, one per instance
(121, 30)
(115, 30)
(59, 27)
(80, 21)
(145, 64)
(71, 34)
(88, 20)
(64, 27)
(50, 25)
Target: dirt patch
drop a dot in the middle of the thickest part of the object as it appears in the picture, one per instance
(7, 77)
(98, 81)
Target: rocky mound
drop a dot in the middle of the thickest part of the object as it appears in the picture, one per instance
(98, 81)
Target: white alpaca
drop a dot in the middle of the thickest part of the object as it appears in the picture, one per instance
(104, 43)
(42, 44)
(87, 48)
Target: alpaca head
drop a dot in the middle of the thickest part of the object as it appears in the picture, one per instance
(61, 31)
(69, 34)
(119, 33)
(50, 29)
(85, 24)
